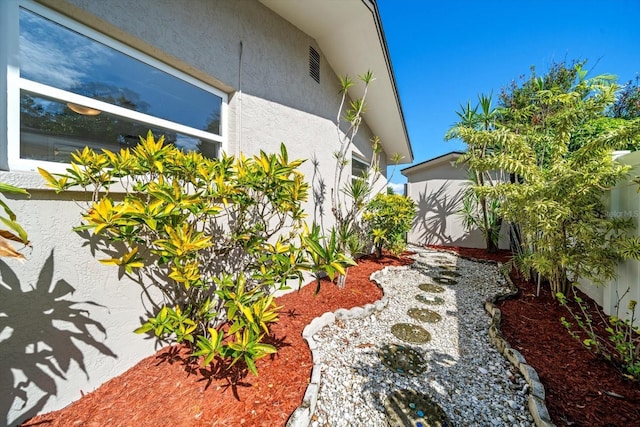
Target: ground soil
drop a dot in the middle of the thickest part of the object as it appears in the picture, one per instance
(168, 390)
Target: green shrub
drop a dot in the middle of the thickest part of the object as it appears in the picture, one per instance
(623, 345)
(389, 218)
(216, 236)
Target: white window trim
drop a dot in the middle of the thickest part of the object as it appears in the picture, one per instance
(9, 51)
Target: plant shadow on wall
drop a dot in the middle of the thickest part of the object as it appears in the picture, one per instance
(433, 209)
(103, 248)
(40, 333)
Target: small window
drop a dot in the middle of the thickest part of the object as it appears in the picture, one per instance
(359, 168)
(314, 64)
(79, 88)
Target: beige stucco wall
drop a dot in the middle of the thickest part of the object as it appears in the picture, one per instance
(246, 50)
(272, 99)
(438, 190)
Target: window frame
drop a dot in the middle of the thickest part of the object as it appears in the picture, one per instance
(9, 52)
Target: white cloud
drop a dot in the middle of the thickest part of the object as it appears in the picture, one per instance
(43, 64)
(397, 188)
(56, 56)
(187, 143)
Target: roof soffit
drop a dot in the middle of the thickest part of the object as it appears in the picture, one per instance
(350, 36)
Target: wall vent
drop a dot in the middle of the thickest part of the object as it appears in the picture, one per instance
(314, 64)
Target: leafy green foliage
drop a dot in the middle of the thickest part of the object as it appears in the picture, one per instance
(599, 127)
(12, 229)
(389, 217)
(325, 255)
(473, 217)
(349, 196)
(627, 106)
(560, 163)
(516, 99)
(348, 199)
(216, 236)
(623, 344)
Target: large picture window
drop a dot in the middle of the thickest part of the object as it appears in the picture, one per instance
(79, 88)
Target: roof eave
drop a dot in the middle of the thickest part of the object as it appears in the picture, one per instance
(448, 157)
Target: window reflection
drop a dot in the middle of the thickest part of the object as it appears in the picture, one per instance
(59, 57)
(358, 168)
(51, 131)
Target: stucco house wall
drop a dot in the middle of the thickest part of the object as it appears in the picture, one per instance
(438, 186)
(67, 319)
(257, 57)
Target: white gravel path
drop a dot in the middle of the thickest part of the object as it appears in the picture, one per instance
(465, 375)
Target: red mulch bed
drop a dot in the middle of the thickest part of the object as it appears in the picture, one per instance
(475, 253)
(164, 389)
(582, 389)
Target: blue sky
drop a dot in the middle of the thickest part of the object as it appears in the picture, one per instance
(447, 52)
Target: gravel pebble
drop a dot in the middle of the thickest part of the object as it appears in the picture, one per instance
(466, 375)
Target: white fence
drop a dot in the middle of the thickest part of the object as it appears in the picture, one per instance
(623, 202)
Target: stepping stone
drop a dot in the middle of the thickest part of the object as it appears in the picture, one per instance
(411, 333)
(445, 280)
(450, 273)
(424, 315)
(402, 360)
(428, 299)
(429, 287)
(408, 408)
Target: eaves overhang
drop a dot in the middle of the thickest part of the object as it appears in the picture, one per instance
(452, 156)
(350, 35)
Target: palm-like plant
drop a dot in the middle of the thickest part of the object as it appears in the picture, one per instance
(473, 128)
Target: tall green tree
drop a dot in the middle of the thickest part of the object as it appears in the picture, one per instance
(556, 198)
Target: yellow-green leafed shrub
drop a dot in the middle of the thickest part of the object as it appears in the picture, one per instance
(217, 236)
(389, 218)
(10, 230)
